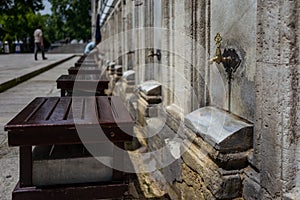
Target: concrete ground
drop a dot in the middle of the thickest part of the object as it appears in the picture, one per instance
(14, 99)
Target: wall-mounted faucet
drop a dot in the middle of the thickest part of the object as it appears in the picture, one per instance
(218, 57)
(230, 60)
(157, 54)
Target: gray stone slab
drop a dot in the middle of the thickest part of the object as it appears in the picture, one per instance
(129, 75)
(224, 131)
(151, 88)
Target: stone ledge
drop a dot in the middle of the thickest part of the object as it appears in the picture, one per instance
(229, 161)
(129, 75)
(224, 131)
(151, 88)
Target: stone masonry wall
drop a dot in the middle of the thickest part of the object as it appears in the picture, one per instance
(277, 97)
(265, 88)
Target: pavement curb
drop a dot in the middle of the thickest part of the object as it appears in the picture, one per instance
(15, 81)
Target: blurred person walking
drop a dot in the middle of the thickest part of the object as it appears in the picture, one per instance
(39, 43)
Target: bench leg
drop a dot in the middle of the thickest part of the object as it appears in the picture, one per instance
(25, 166)
(62, 92)
(118, 161)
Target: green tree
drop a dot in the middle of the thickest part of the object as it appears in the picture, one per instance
(20, 19)
(70, 19)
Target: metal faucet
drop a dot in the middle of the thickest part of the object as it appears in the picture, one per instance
(218, 57)
(157, 54)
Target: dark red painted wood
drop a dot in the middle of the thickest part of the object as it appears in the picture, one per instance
(118, 161)
(79, 192)
(25, 166)
(83, 82)
(84, 70)
(53, 120)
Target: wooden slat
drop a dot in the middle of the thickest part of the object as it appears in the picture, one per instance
(118, 162)
(25, 113)
(77, 108)
(104, 110)
(45, 110)
(62, 109)
(90, 112)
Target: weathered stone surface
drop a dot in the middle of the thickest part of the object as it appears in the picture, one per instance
(236, 22)
(294, 194)
(251, 187)
(131, 104)
(192, 180)
(117, 89)
(118, 71)
(162, 140)
(229, 161)
(222, 184)
(175, 117)
(222, 130)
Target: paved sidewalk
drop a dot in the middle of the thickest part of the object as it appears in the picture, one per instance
(14, 99)
(16, 68)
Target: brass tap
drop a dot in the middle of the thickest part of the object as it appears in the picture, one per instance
(218, 57)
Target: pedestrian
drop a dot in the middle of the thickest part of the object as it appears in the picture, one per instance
(39, 43)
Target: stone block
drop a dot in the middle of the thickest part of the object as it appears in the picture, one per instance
(131, 104)
(129, 75)
(175, 117)
(162, 140)
(151, 99)
(117, 90)
(228, 161)
(222, 184)
(222, 130)
(151, 88)
(251, 187)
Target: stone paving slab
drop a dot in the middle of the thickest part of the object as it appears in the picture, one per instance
(16, 68)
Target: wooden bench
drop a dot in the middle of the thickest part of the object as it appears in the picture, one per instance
(84, 70)
(51, 121)
(85, 61)
(88, 84)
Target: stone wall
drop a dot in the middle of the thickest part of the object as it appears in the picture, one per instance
(265, 87)
(277, 97)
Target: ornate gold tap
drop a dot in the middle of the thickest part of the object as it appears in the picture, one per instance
(218, 57)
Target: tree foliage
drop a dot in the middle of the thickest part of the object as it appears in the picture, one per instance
(19, 19)
(70, 19)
